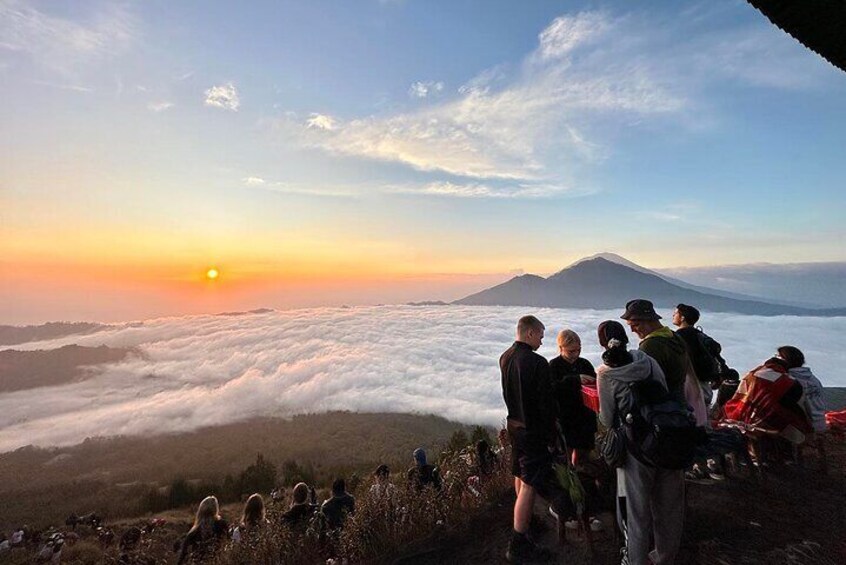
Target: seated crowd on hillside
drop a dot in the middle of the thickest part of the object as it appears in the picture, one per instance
(671, 411)
(630, 432)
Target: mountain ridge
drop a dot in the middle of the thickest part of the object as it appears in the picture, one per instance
(600, 283)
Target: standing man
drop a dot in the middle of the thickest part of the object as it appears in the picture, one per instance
(704, 365)
(527, 392)
(659, 342)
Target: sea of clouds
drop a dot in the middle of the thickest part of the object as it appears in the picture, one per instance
(199, 371)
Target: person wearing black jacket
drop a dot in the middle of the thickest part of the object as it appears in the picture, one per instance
(704, 365)
(527, 392)
(577, 421)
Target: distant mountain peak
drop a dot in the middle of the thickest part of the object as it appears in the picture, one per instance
(607, 280)
(612, 258)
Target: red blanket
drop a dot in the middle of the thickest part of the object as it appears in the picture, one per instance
(768, 397)
(836, 420)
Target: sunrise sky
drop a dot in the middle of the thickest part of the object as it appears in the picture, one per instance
(377, 151)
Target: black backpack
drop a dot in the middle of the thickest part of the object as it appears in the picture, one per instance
(660, 430)
(714, 349)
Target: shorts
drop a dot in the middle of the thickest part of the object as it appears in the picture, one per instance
(530, 458)
(531, 462)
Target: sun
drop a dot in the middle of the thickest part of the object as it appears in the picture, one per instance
(212, 274)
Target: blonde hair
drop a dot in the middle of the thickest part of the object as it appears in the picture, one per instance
(568, 337)
(254, 512)
(300, 493)
(207, 513)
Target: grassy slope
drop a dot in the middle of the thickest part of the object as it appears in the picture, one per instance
(43, 486)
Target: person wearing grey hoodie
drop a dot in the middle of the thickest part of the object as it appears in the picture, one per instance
(814, 403)
(650, 499)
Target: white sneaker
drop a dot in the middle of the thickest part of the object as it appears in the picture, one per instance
(595, 525)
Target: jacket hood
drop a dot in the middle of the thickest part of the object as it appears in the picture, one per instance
(802, 374)
(639, 369)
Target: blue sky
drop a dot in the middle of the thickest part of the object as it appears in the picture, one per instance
(412, 137)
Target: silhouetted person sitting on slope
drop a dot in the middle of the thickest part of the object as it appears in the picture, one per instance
(301, 511)
(252, 521)
(206, 535)
(422, 474)
(382, 485)
(335, 509)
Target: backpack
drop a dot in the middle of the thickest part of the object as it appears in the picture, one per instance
(660, 430)
(714, 349)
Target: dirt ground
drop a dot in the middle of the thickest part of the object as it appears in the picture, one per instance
(792, 516)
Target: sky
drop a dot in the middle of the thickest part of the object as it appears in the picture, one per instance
(193, 370)
(379, 151)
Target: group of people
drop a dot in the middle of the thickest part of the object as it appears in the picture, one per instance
(548, 422)
(210, 531)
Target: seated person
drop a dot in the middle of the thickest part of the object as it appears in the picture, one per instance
(382, 485)
(769, 398)
(486, 460)
(253, 519)
(335, 509)
(814, 403)
(567, 371)
(301, 510)
(206, 536)
(422, 474)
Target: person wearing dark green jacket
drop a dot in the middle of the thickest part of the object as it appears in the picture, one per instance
(659, 342)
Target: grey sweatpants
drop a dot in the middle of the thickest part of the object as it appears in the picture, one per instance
(654, 504)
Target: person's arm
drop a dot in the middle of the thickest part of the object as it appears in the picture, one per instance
(183, 550)
(547, 405)
(607, 402)
(587, 368)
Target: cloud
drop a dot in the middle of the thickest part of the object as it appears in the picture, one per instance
(254, 181)
(70, 87)
(207, 370)
(511, 127)
(223, 96)
(159, 106)
(482, 190)
(321, 122)
(566, 33)
(61, 44)
(423, 89)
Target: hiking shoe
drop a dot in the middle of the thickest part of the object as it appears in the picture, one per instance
(553, 513)
(714, 470)
(528, 553)
(596, 525)
(698, 476)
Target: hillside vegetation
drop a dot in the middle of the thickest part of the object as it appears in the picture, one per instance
(114, 476)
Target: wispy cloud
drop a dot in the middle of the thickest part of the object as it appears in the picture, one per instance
(502, 190)
(566, 33)
(159, 106)
(223, 96)
(302, 189)
(548, 119)
(321, 122)
(71, 87)
(254, 181)
(62, 44)
(511, 128)
(421, 89)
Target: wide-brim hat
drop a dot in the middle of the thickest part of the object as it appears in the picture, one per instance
(640, 309)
